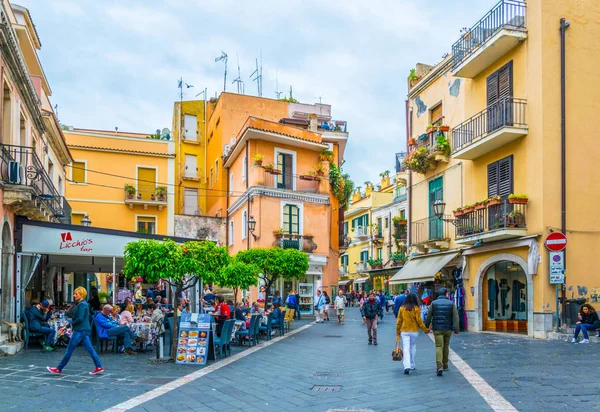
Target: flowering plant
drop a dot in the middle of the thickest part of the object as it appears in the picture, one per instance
(109, 278)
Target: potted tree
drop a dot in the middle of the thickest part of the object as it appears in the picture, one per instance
(320, 170)
(375, 263)
(398, 258)
(161, 193)
(385, 178)
(130, 190)
(518, 198)
(258, 159)
(326, 156)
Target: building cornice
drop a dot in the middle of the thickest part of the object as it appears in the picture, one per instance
(122, 151)
(276, 193)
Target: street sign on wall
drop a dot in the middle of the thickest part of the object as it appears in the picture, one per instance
(557, 267)
(555, 242)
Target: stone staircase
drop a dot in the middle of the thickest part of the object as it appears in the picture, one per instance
(8, 348)
(566, 334)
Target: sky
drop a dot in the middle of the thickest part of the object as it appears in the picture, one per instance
(115, 63)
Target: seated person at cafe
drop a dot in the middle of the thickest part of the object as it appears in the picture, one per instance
(139, 311)
(240, 316)
(256, 309)
(125, 304)
(209, 296)
(165, 303)
(37, 316)
(222, 313)
(157, 316)
(115, 314)
(127, 316)
(94, 300)
(107, 327)
(276, 312)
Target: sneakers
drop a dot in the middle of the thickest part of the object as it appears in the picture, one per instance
(375, 343)
(97, 371)
(48, 348)
(585, 341)
(439, 372)
(573, 340)
(370, 342)
(55, 371)
(406, 371)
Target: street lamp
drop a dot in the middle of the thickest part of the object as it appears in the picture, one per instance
(252, 226)
(86, 221)
(438, 211)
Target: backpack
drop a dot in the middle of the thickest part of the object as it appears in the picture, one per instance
(327, 300)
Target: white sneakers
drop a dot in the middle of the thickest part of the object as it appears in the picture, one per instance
(573, 340)
(585, 341)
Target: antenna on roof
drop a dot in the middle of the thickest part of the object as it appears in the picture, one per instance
(56, 112)
(258, 73)
(239, 81)
(277, 92)
(223, 57)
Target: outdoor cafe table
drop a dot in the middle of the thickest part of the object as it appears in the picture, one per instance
(144, 330)
(57, 324)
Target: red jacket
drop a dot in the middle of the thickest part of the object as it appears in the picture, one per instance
(225, 313)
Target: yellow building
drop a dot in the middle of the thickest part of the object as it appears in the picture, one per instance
(121, 180)
(499, 95)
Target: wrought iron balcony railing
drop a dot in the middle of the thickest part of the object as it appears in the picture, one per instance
(429, 229)
(504, 215)
(289, 181)
(508, 14)
(298, 242)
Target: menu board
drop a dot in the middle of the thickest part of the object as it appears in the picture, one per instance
(195, 341)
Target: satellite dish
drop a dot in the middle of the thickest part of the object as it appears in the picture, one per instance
(165, 134)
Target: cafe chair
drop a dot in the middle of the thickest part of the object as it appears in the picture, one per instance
(267, 330)
(223, 342)
(288, 321)
(280, 325)
(100, 341)
(29, 334)
(249, 332)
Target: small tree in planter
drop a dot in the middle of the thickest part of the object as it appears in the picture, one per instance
(258, 159)
(161, 193)
(398, 258)
(375, 263)
(385, 178)
(326, 156)
(130, 190)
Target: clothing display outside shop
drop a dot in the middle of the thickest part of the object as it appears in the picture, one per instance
(506, 292)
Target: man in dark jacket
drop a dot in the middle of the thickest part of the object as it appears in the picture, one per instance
(37, 317)
(370, 311)
(443, 318)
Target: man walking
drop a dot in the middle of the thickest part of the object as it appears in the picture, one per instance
(371, 310)
(399, 301)
(340, 304)
(382, 301)
(319, 305)
(443, 318)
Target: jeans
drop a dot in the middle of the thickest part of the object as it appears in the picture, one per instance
(583, 327)
(372, 327)
(297, 312)
(76, 337)
(49, 334)
(442, 347)
(124, 331)
(409, 347)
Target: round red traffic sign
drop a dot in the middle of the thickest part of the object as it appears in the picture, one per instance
(555, 242)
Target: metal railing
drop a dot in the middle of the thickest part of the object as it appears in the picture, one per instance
(361, 231)
(500, 216)
(343, 270)
(21, 166)
(507, 111)
(429, 229)
(298, 242)
(67, 211)
(400, 232)
(146, 195)
(510, 14)
(361, 267)
(289, 181)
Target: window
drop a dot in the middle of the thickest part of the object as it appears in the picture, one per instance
(500, 177)
(344, 260)
(379, 227)
(380, 253)
(191, 166)
(230, 183)
(244, 167)
(403, 214)
(500, 84)
(436, 115)
(231, 232)
(190, 126)
(360, 221)
(60, 185)
(291, 219)
(76, 218)
(146, 224)
(7, 116)
(364, 256)
(387, 222)
(217, 170)
(190, 201)
(51, 169)
(345, 228)
(211, 177)
(78, 172)
(146, 182)
(244, 224)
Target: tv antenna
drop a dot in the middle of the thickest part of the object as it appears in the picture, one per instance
(223, 57)
(239, 81)
(56, 111)
(277, 92)
(180, 85)
(258, 78)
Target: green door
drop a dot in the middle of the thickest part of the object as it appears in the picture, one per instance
(284, 163)
(436, 192)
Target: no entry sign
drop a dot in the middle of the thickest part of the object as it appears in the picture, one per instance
(555, 242)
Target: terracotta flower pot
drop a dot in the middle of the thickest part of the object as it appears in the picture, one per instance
(258, 162)
(444, 128)
(275, 171)
(479, 207)
(518, 201)
(457, 214)
(494, 203)
(469, 210)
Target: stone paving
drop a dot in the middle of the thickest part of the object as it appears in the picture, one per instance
(530, 374)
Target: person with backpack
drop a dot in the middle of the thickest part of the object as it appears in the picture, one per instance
(291, 302)
(382, 301)
(326, 307)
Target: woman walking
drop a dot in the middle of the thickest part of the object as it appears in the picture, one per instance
(81, 333)
(326, 307)
(588, 320)
(407, 328)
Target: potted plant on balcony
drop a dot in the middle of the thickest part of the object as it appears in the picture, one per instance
(430, 129)
(399, 221)
(458, 212)
(518, 198)
(310, 175)
(420, 161)
(278, 233)
(468, 208)
(385, 178)
(161, 193)
(375, 263)
(130, 190)
(152, 196)
(442, 150)
(494, 200)
(479, 205)
(320, 170)
(258, 159)
(326, 156)
(412, 77)
(515, 219)
(398, 258)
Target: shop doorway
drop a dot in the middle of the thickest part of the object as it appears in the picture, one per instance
(504, 298)
(7, 274)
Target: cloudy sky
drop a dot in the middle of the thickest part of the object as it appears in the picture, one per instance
(116, 63)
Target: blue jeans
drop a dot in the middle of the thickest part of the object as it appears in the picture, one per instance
(49, 334)
(583, 327)
(297, 312)
(76, 337)
(124, 331)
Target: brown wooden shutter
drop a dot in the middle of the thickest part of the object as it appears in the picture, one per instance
(340, 227)
(436, 113)
(492, 88)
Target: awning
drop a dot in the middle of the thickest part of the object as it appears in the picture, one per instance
(361, 280)
(344, 282)
(422, 269)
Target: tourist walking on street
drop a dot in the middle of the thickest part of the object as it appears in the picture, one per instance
(340, 305)
(319, 305)
(326, 306)
(443, 318)
(371, 310)
(588, 320)
(407, 328)
(399, 301)
(81, 333)
(382, 301)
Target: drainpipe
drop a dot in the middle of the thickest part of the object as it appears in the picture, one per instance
(248, 234)
(409, 186)
(563, 158)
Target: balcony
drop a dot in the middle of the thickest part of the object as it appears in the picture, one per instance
(499, 31)
(361, 267)
(145, 198)
(496, 222)
(361, 233)
(289, 181)
(493, 127)
(431, 233)
(343, 270)
(303, 243)
(28, 189)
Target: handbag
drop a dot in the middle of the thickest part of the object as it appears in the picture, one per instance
(397, 354)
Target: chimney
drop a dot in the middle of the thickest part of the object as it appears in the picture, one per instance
(313, 125)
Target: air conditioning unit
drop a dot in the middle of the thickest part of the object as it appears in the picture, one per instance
(15, 173)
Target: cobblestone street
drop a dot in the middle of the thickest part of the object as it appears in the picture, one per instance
(530, 374)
